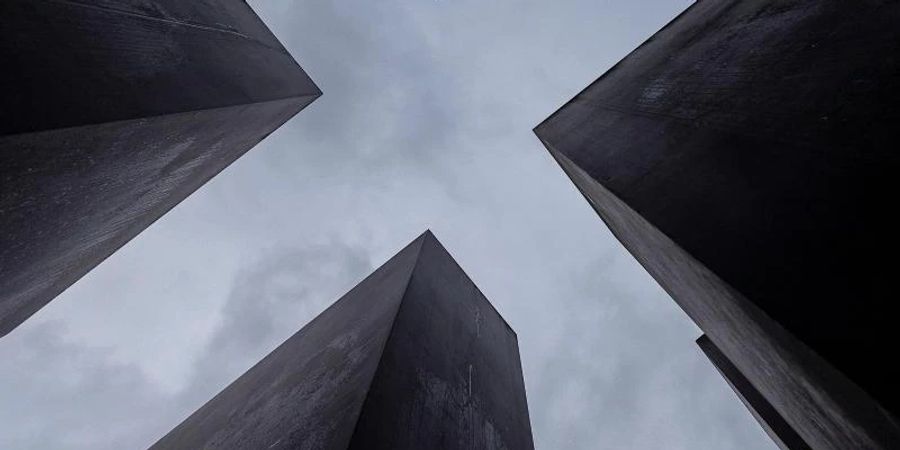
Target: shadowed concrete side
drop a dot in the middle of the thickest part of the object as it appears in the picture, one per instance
(744, 156)
(450, 376)
(81, 62)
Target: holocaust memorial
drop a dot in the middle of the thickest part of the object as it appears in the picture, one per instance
(744, 155)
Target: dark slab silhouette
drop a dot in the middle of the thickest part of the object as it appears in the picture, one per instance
(745, 154)
(112, 112)
(771, 421)
(413, 357)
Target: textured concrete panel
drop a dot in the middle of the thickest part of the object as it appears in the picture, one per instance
(307, 393)
(115, 112)
(450, 376)
(744, 155)
(413, 357)
(81, 62)
(775, 425)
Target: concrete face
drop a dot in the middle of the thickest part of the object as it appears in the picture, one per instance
(450, 375)
(413, 357)
(116, 111)
(84, 62)
(744, 155)
(771, 421)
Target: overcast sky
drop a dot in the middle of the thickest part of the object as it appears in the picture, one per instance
(425, 122)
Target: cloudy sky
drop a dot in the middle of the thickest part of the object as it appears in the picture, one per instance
(425, 122)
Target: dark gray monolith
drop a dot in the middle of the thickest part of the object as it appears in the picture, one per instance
(413, 357)
(746, 156)
(114, 111)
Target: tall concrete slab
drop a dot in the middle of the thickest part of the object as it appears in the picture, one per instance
(413, 357)
(771, 421)
(113, 111)
(744, 154)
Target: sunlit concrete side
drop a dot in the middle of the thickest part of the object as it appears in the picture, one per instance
(112, 113)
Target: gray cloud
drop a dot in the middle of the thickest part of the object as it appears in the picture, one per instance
(268, 303)
(70, 396)
(620, 373)
(58, 394)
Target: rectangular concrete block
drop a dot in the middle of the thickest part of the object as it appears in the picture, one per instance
(113, 112)
(413, 357)
(744, 154)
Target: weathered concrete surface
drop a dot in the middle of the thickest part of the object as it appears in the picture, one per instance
(307, 393)
(744, 155)
(413, 357)
(81, 62)
(113, 112)
(450, 376)
(775, 425)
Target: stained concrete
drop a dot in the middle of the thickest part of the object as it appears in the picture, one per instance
(117, 110)
(413, 357)
(744, 155)
(770, 420)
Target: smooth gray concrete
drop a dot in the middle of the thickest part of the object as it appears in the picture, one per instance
(771, 421)
(413, 357)
(113, 112)
(744, 155)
